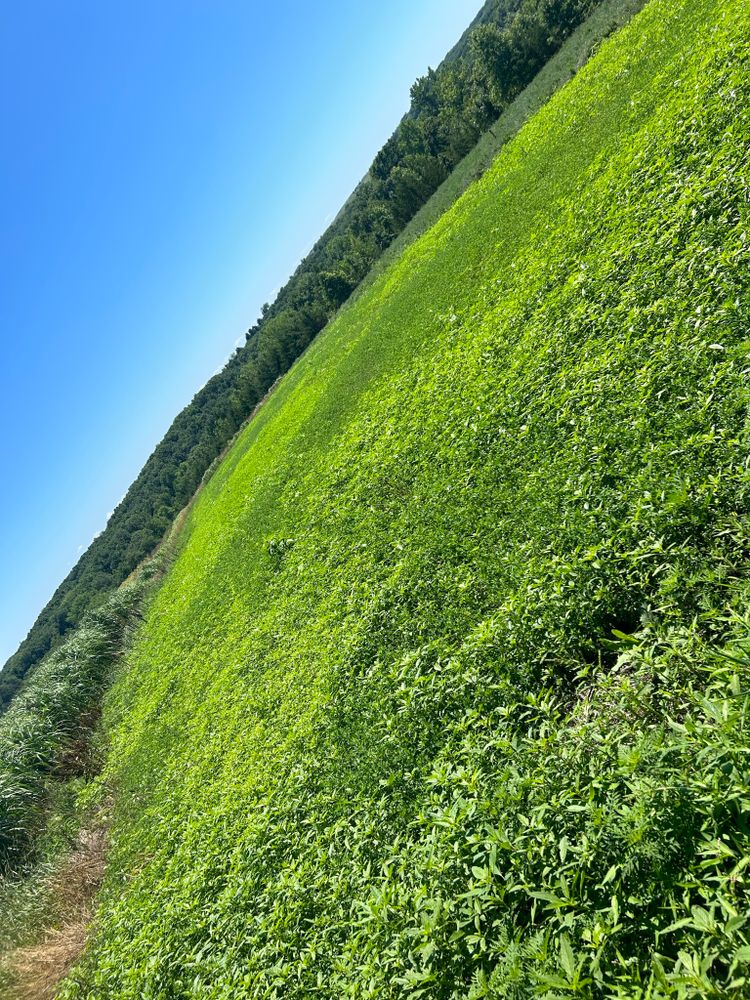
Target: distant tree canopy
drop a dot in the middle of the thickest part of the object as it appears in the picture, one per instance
(451, 106)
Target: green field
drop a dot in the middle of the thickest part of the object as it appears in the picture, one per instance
(446, 694)
(574, 53)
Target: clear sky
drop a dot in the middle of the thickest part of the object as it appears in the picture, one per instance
(165, 165)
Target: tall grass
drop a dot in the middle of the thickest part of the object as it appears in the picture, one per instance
(45, 735)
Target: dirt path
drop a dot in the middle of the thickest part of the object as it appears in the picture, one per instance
(37, 969)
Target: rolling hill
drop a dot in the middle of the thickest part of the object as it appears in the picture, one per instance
(446, 692)
(450, 109)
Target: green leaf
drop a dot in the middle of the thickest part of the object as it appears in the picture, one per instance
(567, 959)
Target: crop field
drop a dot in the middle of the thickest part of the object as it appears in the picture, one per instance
(446, 694)
(564, 64)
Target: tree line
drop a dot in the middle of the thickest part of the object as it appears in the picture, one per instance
(451, 106)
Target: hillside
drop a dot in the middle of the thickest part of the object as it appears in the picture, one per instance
(450, 110)
(446, 693)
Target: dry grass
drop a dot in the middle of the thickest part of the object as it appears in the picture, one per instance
(38, 968)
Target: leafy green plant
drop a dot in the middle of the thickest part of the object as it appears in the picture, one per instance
(482, 730)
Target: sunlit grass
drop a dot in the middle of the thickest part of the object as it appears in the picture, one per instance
(447, 692)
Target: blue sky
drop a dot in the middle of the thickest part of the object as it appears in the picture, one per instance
(165, 165)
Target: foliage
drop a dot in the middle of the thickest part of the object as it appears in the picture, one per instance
(45, 735)
(450, 108)
(446, 694)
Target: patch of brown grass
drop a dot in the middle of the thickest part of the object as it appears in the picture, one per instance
(38, 968)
